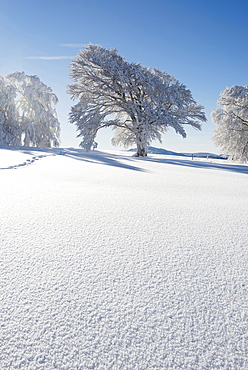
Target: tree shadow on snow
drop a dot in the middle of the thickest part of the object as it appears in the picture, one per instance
(96, 156)
(237, 168)
(126, 162)
(116, 160)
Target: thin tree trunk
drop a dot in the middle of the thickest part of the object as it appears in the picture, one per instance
(140, 140)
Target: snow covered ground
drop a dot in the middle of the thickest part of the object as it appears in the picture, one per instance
(115, 262)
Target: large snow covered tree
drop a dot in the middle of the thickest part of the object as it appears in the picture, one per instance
(34, 120)
(139, 103)
(231, 119)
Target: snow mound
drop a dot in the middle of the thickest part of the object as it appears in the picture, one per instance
(115, 262)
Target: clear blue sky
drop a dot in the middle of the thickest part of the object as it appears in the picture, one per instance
(204, 44)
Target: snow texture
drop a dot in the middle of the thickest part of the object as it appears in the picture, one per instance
(115, 262)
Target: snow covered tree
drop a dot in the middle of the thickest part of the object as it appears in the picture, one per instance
(139, 103)
(231, 119)
(10, 131)
(34, 105)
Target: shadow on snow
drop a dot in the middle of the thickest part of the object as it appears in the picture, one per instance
(116, 160)
(100, 158)
(238, 168)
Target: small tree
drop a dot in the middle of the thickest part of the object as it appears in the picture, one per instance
(231, 119)
(31, 110)
(139, 103)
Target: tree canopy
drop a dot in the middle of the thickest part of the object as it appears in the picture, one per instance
(231, 119)
(139, 103)
(27, 112)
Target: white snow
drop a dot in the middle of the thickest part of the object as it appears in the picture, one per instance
(11, 157)
(115, 262)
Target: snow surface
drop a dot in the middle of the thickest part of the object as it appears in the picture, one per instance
(115, 262)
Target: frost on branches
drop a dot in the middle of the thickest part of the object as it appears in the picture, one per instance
(139, 103)
(27, 112)
(231, 119)
(10, 131)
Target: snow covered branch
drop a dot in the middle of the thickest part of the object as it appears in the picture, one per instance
(27, 112)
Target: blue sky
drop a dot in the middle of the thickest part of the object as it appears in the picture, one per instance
(202, 43)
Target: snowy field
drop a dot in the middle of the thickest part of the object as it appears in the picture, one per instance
(115, 262)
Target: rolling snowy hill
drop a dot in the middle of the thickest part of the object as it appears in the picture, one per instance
(115, 262)
(162, 151)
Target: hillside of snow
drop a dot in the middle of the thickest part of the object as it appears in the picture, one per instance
(114, 262)
(206, 155)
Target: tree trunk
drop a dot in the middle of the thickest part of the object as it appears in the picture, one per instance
(141, 149)
(140, 139)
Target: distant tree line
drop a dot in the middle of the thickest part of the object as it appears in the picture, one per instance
(140, 104)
